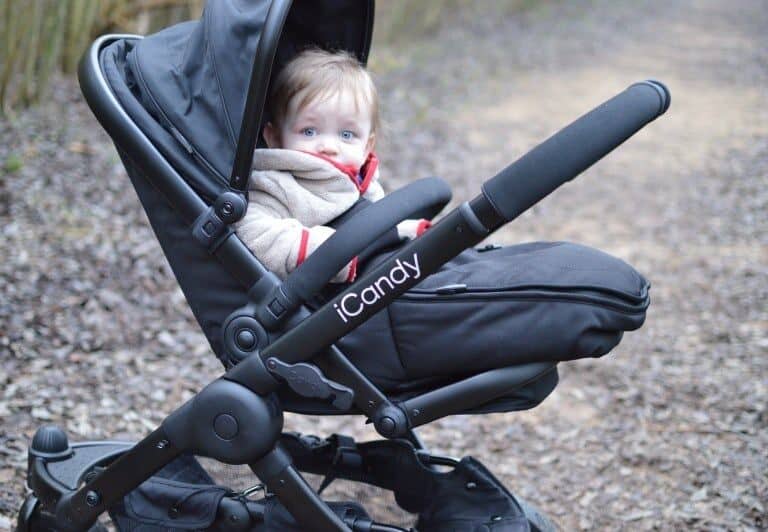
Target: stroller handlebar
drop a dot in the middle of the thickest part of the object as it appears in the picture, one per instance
(522, 184)
(575, 148)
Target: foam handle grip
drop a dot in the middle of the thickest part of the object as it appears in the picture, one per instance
(575, 148)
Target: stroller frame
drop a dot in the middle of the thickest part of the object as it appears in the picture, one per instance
(237, 419)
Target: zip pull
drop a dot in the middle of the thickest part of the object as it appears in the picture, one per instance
(182, 140)
(488, 247)
(451, 289)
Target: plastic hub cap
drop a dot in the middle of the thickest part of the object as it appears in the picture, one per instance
(246, 340)
(225, 426)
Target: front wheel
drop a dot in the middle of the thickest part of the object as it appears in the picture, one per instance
(31, 519)
(27, 515)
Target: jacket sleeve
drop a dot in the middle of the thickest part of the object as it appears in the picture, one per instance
(281, 244)
(410, 229)
(407, 229)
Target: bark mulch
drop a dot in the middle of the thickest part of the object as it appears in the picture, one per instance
(668, 432)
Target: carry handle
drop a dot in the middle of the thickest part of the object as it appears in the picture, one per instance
(575, 148)
(250, 125)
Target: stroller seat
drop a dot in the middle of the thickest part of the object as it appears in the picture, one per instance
(172, 103)
(406, 363)
(210, 288)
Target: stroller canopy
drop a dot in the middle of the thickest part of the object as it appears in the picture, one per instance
(194, 76)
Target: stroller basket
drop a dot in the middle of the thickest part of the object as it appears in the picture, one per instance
(286, 350)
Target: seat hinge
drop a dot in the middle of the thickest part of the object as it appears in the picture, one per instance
(214, 223)
(208, 228)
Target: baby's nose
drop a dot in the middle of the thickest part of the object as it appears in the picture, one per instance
(327, 147)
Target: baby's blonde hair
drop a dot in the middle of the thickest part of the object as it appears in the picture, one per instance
(316, 73)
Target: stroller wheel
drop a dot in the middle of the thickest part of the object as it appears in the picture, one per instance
(538, 521)
(30, 519)
(27, 515)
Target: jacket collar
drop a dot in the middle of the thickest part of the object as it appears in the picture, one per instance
(366, 172)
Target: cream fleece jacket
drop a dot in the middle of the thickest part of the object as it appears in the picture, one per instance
(292, 195)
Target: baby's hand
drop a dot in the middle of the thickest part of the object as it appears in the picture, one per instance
(410, 229)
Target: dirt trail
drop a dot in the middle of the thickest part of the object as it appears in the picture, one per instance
(671, 430)
(668, 432)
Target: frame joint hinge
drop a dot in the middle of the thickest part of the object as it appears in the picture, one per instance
(213, 226)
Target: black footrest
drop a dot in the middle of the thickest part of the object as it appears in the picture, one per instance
(85, 456)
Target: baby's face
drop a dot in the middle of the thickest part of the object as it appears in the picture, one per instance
(335, 127)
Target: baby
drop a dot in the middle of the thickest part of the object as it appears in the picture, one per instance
(320, 160)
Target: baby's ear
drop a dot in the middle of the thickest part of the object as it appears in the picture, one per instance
(271, 135)
(371, 143)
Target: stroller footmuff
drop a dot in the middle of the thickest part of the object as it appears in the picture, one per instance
(492, 323)
(500, 306)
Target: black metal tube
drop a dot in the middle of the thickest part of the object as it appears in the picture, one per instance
(338, 367)
(282, 479)
(79, 509)
(257, 92)
(471, 392)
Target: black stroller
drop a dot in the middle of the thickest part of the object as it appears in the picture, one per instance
(287, 349)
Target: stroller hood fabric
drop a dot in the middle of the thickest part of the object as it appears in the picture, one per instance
(194, 76)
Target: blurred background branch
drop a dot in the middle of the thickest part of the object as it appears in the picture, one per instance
(41, 38)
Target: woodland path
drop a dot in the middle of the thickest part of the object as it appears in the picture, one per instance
(668, 432)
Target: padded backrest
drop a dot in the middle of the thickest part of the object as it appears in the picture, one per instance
(210, 287)
(212, 293)
(213, 284)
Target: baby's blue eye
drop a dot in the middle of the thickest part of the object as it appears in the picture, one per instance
(347, 135)
(309, 132)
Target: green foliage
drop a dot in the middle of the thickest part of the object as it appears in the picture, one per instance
(13, 163)
(40, 37)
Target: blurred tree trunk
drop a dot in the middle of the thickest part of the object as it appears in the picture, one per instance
(41, 37)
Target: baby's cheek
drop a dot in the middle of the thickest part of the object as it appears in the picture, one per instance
(294, 142)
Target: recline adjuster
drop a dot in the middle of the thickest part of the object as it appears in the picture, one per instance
(210, 226)
(308, 381)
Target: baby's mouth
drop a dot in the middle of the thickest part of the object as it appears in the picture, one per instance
(349, 169)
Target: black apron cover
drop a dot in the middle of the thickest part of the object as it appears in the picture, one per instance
(501, 306)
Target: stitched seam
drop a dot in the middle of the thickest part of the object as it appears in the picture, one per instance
(394, 338)
(208, 49)
(639, 310)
